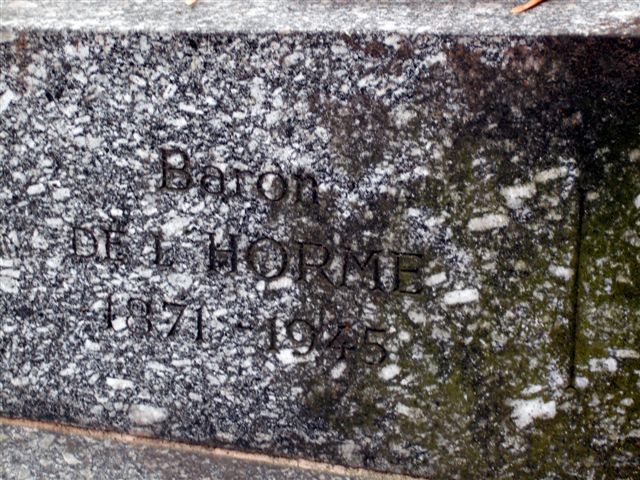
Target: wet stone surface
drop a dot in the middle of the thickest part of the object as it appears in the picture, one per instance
(33, 453)
(358, 248)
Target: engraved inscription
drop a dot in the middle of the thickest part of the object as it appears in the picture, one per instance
(164, 319)
(312, 263)
(269, 258)
(178, 175)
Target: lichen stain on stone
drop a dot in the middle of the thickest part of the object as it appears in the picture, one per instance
(470, 382)
(359, 130)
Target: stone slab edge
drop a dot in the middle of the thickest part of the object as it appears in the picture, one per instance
(172, 449)
(452, 17)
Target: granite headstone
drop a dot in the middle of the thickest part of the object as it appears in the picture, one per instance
(398, 236)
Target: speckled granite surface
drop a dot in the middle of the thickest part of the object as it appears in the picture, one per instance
(29, 453)
(359, 247)
(441, 17)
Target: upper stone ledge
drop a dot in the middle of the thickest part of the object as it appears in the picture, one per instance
(453, 17)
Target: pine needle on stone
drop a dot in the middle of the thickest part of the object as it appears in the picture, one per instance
(526, 6)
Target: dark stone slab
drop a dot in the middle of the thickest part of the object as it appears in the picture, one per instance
(607, 378)
(43, 454)
(358, 247)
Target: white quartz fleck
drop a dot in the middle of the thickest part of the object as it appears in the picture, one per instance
(430, 60)
(141, 414)
(403, 116)
(70, 459)
(136, 80)
(20, 381)
(338, 370)
(7, 263)
(180, 280)
(418, 318)
(526, 411)
(61, 194)
(348, 449)
(436, 279)
(177, 122)
(440, 334)
(456, 297)
(54, 222)
(272, 118)
(389, 372)
(292, 59)
(96, 410)
(592, 196)
(91, 346)
(35, 189)
(153, 365)
(175, 226)
(7, 97)
(38, 241)
(556, 379)
(182, 363)
(393, 41)
(287, 357)
(70, 110)
(119, 324)
(603, 365)
(9, 285)
(280, 283)
(551, 174)
(407, 411)
(70, 370)
(119, 383)
(339, 49)
(533, 389)
(75, 50)
(116, 212)
(516, 194)
(626, 353)
(196, 397)
(10, 272)
(490, 221)
(561, 272)
(80, 77)
(581, 382)
(187, 108)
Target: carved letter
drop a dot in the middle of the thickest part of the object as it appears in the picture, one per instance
(231, 253)
(159, 254)
(400, 283)
(139, 309)
(371, 257)
(311, 189)
(238, 180)
(304, 262)
(111, 239)
(253, 263)
(79, 245)
(213, 174)
(279, 192)
(175, 178)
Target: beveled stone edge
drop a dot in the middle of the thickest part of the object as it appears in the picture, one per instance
(441, 17)
(147, 441)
